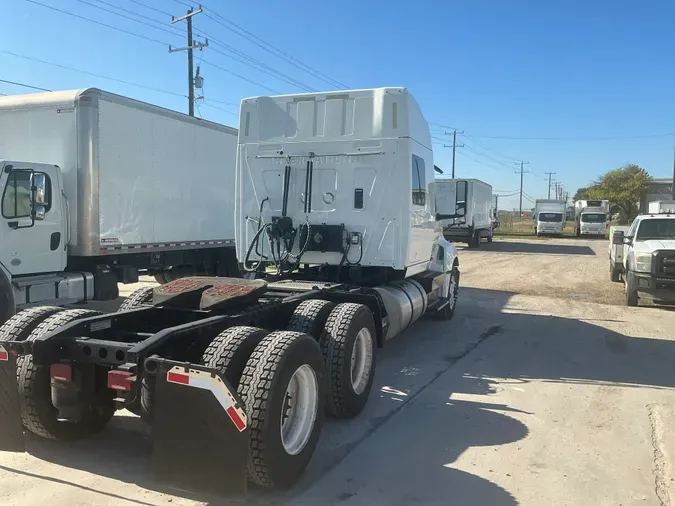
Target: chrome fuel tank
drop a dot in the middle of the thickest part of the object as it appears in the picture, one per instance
(405, 302)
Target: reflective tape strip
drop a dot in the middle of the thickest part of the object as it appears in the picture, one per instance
(4, 356)
(111, 249)
(205, 381)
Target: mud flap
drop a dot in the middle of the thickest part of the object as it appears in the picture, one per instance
(11, 429)
(200, 431)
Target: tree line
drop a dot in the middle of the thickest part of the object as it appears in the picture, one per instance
(624, 187)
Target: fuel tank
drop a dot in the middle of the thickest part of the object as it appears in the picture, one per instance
(405, 302)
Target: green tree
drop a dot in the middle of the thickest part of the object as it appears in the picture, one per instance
(623, 187)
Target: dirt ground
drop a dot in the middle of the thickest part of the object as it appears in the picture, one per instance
(533, 394)
(566, 268)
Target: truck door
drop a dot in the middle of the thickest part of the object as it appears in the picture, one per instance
(32, 239)
(626, 247)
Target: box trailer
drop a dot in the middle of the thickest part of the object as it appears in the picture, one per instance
(591, 217)
(549, 217)
(464, 207)
(336, 226)
(97, 187)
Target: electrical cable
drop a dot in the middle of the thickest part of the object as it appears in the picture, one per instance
(93, 74)
(24, 85)
(270, 48)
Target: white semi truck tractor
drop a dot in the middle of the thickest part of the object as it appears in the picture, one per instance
(335, 224)
(97, 187)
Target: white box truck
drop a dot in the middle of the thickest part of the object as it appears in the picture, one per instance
(591, 217)
(464, 207)
(97, 187)
(549, 217)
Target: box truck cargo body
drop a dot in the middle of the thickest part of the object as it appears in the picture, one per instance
(97, 186)
(464, 207)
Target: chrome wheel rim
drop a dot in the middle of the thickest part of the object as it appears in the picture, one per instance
(361, 360)
(299, 409)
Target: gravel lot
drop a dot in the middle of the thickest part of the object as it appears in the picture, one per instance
(533, 394)
(566, 268)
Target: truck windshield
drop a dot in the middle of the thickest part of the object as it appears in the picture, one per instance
(594, 217)
(551, 217)
(656, 229)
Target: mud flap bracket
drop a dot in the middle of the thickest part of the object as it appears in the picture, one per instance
(199, 429)
(11, 429)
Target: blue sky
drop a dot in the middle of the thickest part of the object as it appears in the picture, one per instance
(544, 81)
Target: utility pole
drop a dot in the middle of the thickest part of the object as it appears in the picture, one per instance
(521, 186)
(191, 45)
(549, 183)
(454, 147)
(674, 167)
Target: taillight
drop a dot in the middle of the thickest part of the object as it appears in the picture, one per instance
(61, 372)
(120, 380)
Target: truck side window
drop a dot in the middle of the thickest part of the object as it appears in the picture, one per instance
(16, 197)
(419, 181)
(633, 227)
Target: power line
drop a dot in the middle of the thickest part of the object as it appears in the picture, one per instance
(271, 48)
(24, 85)
(254, 63)
(590, 138)
(207, 104)
(163, 28)
(93, 74)
(241, 77)
(116, 28)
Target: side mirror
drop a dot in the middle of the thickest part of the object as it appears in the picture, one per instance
(460, 209)
(628, 240)
(38, 183)
(618, 237)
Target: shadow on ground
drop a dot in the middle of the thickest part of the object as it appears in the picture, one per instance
(537, 248)
(556, 349)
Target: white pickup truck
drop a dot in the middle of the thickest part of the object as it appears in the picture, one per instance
(644, 255)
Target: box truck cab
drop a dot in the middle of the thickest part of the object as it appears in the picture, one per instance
(549, 217)
(591, 217)
(97, 187)
(647, 255)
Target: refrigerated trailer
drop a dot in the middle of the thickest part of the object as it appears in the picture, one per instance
(464, 207)
(97, 187)
(335, 224)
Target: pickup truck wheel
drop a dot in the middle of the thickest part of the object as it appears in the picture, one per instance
(310, 317)
(448, 311)
(630, 286)
(283, 389)
(348, 346)
(139, 298)
(614, 274)
(37, 411)
(20, 326)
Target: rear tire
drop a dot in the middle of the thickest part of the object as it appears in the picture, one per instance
(310, 317)
(278, 455)
(348, 346)
(139, 298)
(230, 351)
(37, 411)
(20, 326)
(614, 274)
